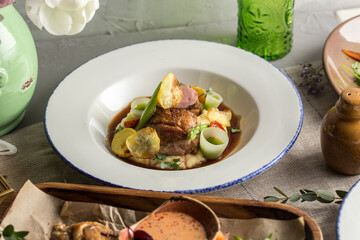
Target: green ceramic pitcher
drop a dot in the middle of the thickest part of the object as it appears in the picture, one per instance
(18, 68)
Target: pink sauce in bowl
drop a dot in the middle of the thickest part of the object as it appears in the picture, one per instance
(172, 226)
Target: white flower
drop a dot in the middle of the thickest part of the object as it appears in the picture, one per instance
(61, 17)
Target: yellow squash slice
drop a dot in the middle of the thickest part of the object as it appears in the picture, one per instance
(170, 93)
(201, 93)
(118, 144)
(144, 144)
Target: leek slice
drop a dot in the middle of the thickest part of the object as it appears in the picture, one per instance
(212, 100)
(138, 105)
(213, 142)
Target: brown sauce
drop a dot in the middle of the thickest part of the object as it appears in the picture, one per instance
(234, 138)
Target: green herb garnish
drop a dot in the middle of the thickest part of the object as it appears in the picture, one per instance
(160, 157)
(118, 129)
(209, 91)
(356, 68)
(357, 79)
(172, 164)
(196, 131)
(233, 130)
(237, 238)
(10, 234)
(267, 238)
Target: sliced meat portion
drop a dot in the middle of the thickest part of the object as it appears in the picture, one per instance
(169, 133)
(172, 126)
(190, 97)
(179, 117)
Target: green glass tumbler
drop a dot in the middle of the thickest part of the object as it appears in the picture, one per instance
(265, 27)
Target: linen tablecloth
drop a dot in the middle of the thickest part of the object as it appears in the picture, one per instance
(302, 167)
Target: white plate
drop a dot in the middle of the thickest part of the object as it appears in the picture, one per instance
(84, 103)
(348, 222)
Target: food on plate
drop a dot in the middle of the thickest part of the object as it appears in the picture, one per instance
(352, 54)
(144, 143)
(355, 66)
(178, 127)
(118, 144)
(82, 231)
(170, 93)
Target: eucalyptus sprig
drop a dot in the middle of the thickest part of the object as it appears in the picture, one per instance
(267, 238)
(9, 233)
(307, 195)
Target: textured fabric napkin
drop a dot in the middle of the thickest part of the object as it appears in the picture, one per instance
(302, 167)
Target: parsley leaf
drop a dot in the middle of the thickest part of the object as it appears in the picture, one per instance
(10, 234)
(234, 130)
(160, 157)
(118, 129)
(194, 132)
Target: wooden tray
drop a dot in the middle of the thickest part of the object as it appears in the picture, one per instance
(148, 201)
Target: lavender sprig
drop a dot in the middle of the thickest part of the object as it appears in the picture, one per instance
(312, 78)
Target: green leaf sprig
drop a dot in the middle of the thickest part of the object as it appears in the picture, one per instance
(267, 238)
(194, 132)
(10, 234)
(322, 196)
(209, 91)
(234, 130)
(160, 157)
(118, 129)
(355, 67)
(173, 165)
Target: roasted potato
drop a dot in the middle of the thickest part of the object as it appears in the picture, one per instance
(170, 93)
(144, 144)
(223, 117)
(203, 117)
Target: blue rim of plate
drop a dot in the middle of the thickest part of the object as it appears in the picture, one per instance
(357, 184)
(199, 190)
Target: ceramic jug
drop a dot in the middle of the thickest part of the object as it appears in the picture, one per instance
(18, 68)
(340, 133)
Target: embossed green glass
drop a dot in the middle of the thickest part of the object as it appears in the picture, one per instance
(265, 27)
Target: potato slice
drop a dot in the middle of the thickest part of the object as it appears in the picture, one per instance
(144, 144)
(170, 93)
(201, 93)
(118, 144)
(223, 117)
(203, 117)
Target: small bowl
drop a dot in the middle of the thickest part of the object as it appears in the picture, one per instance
(194, 208)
